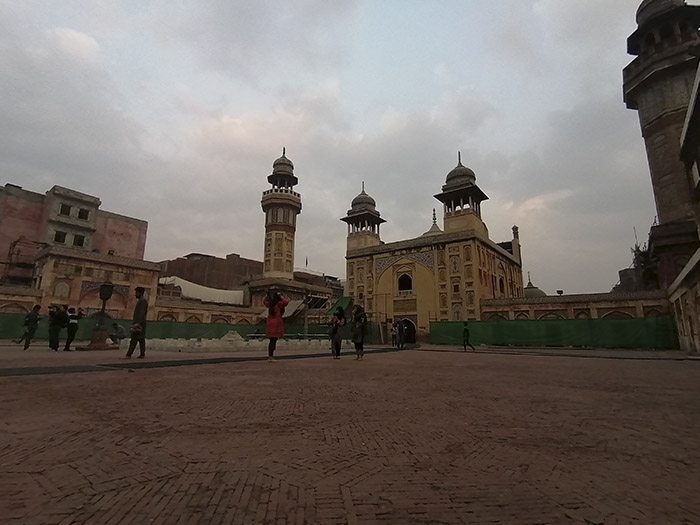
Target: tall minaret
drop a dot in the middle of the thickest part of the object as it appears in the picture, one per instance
(363, 222)
(462, 199)
(281, 205)
(658, 84)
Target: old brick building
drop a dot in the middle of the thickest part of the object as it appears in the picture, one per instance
(30, 221)
(661, 83)
(684, 292)
(227, 273)
(657, 84)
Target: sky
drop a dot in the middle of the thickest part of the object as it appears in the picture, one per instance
(173, 111)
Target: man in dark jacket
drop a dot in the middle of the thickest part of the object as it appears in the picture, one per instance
(465, 338)
(138, 328)
(73, 319)
(31, 323)
(58, 320)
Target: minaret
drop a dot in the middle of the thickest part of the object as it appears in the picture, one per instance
(363, 222)
(658, 84)
(281, 205)
(462, 200)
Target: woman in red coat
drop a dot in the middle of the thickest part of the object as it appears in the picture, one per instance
(275, 326)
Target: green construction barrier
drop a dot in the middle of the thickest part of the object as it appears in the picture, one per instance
(12, 327)
(647, 333)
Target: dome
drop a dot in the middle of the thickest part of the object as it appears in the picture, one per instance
(460, 173)
(363, 200)
(283, 165)
(532, 291)
(651, 8)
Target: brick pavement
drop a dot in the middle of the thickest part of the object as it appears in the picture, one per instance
(410, 437)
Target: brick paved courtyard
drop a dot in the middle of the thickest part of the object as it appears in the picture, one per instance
(410, 437)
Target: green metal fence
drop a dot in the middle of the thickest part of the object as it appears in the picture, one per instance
(649, 333)
(12, 327)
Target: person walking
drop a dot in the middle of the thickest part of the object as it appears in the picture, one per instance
(274, 327)
(465, 338)
(73, 319)
(58, 319)
(394, 333)
(138, 328)
(337, 323)
(31, 323)
(359, 327)
(400, 335)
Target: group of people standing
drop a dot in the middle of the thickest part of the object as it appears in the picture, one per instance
(398, 335)
(274, 328)
(358, 325)
(60, 317)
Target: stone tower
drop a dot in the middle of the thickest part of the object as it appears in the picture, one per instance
(461, 199)
(363, 222)
(658, 84)
(281, 205)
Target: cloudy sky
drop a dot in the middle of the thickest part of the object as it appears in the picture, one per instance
(173, 112)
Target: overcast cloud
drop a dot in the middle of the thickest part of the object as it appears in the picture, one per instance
(173, 112)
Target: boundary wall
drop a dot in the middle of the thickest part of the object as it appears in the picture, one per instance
(644, 333)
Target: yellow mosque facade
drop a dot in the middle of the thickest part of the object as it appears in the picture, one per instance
(442, 275)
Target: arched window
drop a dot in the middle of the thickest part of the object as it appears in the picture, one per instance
(405, 283)
(62, 289)
(501, 286)
(617, 314)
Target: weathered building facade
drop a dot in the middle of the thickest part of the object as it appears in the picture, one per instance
(661, 83)
(684, 292)
(443, 274)
(227, 273)
(622, 305)
(30, 221)
(658, 84)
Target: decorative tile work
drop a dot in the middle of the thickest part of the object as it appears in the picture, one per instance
(425, 258)
(89, 286)
(405, 305)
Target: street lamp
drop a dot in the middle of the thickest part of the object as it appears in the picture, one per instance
(98, 341)
(105, 294)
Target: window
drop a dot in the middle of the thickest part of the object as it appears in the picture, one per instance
(83, 214)
(455, 288)
(61, 289)
(59, 237)
(78, 240)
(405, 283)
(65, 210)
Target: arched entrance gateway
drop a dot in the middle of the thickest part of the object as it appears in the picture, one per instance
(410, 330)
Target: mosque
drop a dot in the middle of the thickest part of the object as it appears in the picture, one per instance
(442, 275)
(61, 246)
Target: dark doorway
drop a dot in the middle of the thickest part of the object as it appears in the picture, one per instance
(410, 331)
